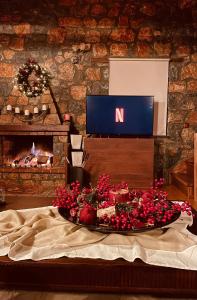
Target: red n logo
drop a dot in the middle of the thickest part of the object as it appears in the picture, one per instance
(119, 115)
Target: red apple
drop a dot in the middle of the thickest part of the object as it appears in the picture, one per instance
(88, 215)
(147, 196)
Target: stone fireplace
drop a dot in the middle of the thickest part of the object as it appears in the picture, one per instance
(33, 157)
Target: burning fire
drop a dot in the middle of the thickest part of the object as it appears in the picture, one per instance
(33, 158)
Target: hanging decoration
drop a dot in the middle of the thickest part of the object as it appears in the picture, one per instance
(32, 79)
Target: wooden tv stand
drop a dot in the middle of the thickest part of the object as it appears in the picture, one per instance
(124, 159)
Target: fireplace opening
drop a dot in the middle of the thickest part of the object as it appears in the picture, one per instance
(27, 151)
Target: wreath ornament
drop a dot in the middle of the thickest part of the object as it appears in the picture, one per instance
(32, 79)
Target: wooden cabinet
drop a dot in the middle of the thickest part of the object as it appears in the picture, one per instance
(124, 159)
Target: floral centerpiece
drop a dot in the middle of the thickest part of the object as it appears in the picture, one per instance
(116, 207)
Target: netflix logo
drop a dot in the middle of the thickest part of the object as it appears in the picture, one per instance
(119, 115)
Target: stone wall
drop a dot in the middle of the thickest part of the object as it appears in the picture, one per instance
(74, 39)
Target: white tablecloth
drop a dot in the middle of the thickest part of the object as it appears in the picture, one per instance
(42, 233)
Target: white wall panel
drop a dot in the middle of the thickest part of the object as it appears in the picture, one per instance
(142, 77)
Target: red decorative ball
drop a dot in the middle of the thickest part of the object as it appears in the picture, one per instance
(88, 215)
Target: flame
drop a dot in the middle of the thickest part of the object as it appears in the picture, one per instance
(33, 148)
(30, 159)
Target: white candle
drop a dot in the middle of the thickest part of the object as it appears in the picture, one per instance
(9, 107)
(26, 112)
(44, 107)
(17, 110)
(35, 110)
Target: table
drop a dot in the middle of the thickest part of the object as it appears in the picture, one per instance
(97, 275)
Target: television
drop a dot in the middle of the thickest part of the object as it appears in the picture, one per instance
(119, 115)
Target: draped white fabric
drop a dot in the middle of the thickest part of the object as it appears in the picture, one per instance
(42, 233)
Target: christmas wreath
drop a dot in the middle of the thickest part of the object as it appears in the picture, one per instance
(32, 79)
(117, 208)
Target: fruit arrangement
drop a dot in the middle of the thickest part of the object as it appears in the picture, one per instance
(116, 207)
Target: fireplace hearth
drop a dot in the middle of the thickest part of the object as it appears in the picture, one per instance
(27, 151)
(33, 158)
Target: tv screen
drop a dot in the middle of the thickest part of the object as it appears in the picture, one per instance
(119, 115)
